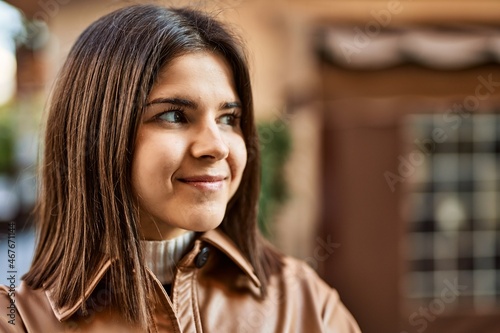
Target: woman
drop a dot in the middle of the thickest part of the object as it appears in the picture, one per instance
(149, 190)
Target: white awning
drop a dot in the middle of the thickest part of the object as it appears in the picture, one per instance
(443, 49)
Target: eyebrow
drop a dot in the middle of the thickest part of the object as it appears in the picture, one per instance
(231, 105)
(190, 104)
(175, 101)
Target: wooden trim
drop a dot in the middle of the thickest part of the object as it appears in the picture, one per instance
(434, 12)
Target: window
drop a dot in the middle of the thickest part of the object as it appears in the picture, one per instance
(453, 230)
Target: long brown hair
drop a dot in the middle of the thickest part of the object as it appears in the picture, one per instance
(86, 211)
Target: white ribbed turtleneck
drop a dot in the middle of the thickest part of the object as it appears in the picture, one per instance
(162, 256)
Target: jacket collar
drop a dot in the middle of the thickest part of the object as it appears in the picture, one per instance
(216, 238)
(63, 313)
(221, 241)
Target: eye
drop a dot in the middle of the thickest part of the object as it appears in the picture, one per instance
(231, 119)
(173, 116)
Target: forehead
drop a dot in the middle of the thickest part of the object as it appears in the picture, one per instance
(202, 73)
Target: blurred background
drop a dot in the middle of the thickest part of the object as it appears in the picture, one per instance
(380, 134)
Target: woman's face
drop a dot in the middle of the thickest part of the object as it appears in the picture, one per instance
(190, 153)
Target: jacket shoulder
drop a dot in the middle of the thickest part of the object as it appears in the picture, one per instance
(299, 278)
(10, 321)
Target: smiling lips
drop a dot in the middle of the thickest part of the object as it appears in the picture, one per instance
(205, 182)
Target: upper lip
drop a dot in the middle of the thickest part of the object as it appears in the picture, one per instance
(203, 178)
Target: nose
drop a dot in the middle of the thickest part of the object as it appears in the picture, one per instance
(209, 142)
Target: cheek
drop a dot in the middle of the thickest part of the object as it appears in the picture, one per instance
(154, 161)
(239, 158)
(143, 160)
(140, 167)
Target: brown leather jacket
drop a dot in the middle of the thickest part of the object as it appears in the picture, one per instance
(214, 291)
